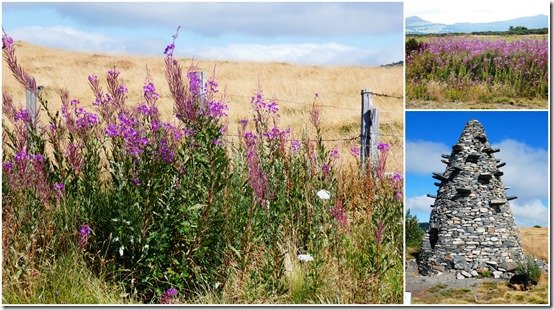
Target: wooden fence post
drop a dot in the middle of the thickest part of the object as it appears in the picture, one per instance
(201, 77)
(31, 100)
(369, 130)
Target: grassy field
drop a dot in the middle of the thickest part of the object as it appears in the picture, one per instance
(507, 38)
(127, 203)
(338, 89)
(476, 72)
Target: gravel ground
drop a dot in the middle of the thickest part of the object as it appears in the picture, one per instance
(416, 283)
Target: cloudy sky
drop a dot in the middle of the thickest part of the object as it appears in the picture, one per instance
(523, 141)
(474, 11)
(307, 33)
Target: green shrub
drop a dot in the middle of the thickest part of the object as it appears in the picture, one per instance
(528, 269)
(414, 233)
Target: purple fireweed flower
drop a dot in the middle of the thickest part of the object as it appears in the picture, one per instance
(325, 169)
(21, 156)
(7, 41)
(23, 115)
(74, 102)
(334, 154)
(171, 292)
(122, 89)
(398, 196)
(250, 139)
(272, 107)
(136, 181)
(113, 73)
(150, 92)
(212, 85)
(383, 146)
(295, 145)
(7, 166)
(188, 132)
(195, 83)
(355, 151)
(59, 186)
(84, 233)
(169, 49)
(275, 132)
(111, 130)
(383, 153)
(217, 109)
(396, 177)
(243, 122)
(39, 158)
(168, 294)
(93, 79)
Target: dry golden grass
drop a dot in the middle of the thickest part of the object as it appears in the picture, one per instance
(294, 85)
(535, 242)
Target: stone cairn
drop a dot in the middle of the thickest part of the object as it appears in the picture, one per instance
(471, 227)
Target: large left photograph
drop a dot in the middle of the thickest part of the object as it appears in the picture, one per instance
(202, 153)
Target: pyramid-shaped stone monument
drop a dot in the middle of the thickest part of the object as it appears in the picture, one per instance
(471, 224)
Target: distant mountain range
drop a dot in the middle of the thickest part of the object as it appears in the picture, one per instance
(416, 25)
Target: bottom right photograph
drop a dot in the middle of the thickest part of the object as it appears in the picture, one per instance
(477, 207)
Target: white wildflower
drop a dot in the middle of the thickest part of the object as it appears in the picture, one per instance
(324, 194)
(121, 251)
(305, 257)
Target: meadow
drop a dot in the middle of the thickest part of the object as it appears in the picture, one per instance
(129, 187)
(477, 71)
(338, 89)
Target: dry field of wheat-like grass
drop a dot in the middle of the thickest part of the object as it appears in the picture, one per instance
(295, 86)
(535, 242)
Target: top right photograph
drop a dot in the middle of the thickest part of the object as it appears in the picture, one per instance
(477, 54)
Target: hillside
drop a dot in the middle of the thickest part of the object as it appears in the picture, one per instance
(416, 25)
(294, 85)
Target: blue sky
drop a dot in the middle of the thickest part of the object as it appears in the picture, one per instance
(307, 33)
(522, 137)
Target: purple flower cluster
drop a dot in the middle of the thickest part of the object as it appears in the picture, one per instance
(168, 295)
(261, 104)
(7, 41)
(217, 109)
(383, 153)
(150, 93)
(22, 115)
(134, 137)
(355, 151)
(84, 233)
(85, 120)
(522, 64)
(276, 133)
(295, 145)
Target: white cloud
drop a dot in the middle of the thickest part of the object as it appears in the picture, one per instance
(67, 38)
(419, 203)
(526, 170)
(264, 19)
(450, 12)
(304, 53)
(529, 213)
(424, 157)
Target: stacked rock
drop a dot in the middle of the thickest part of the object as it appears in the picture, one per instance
(471, 227)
